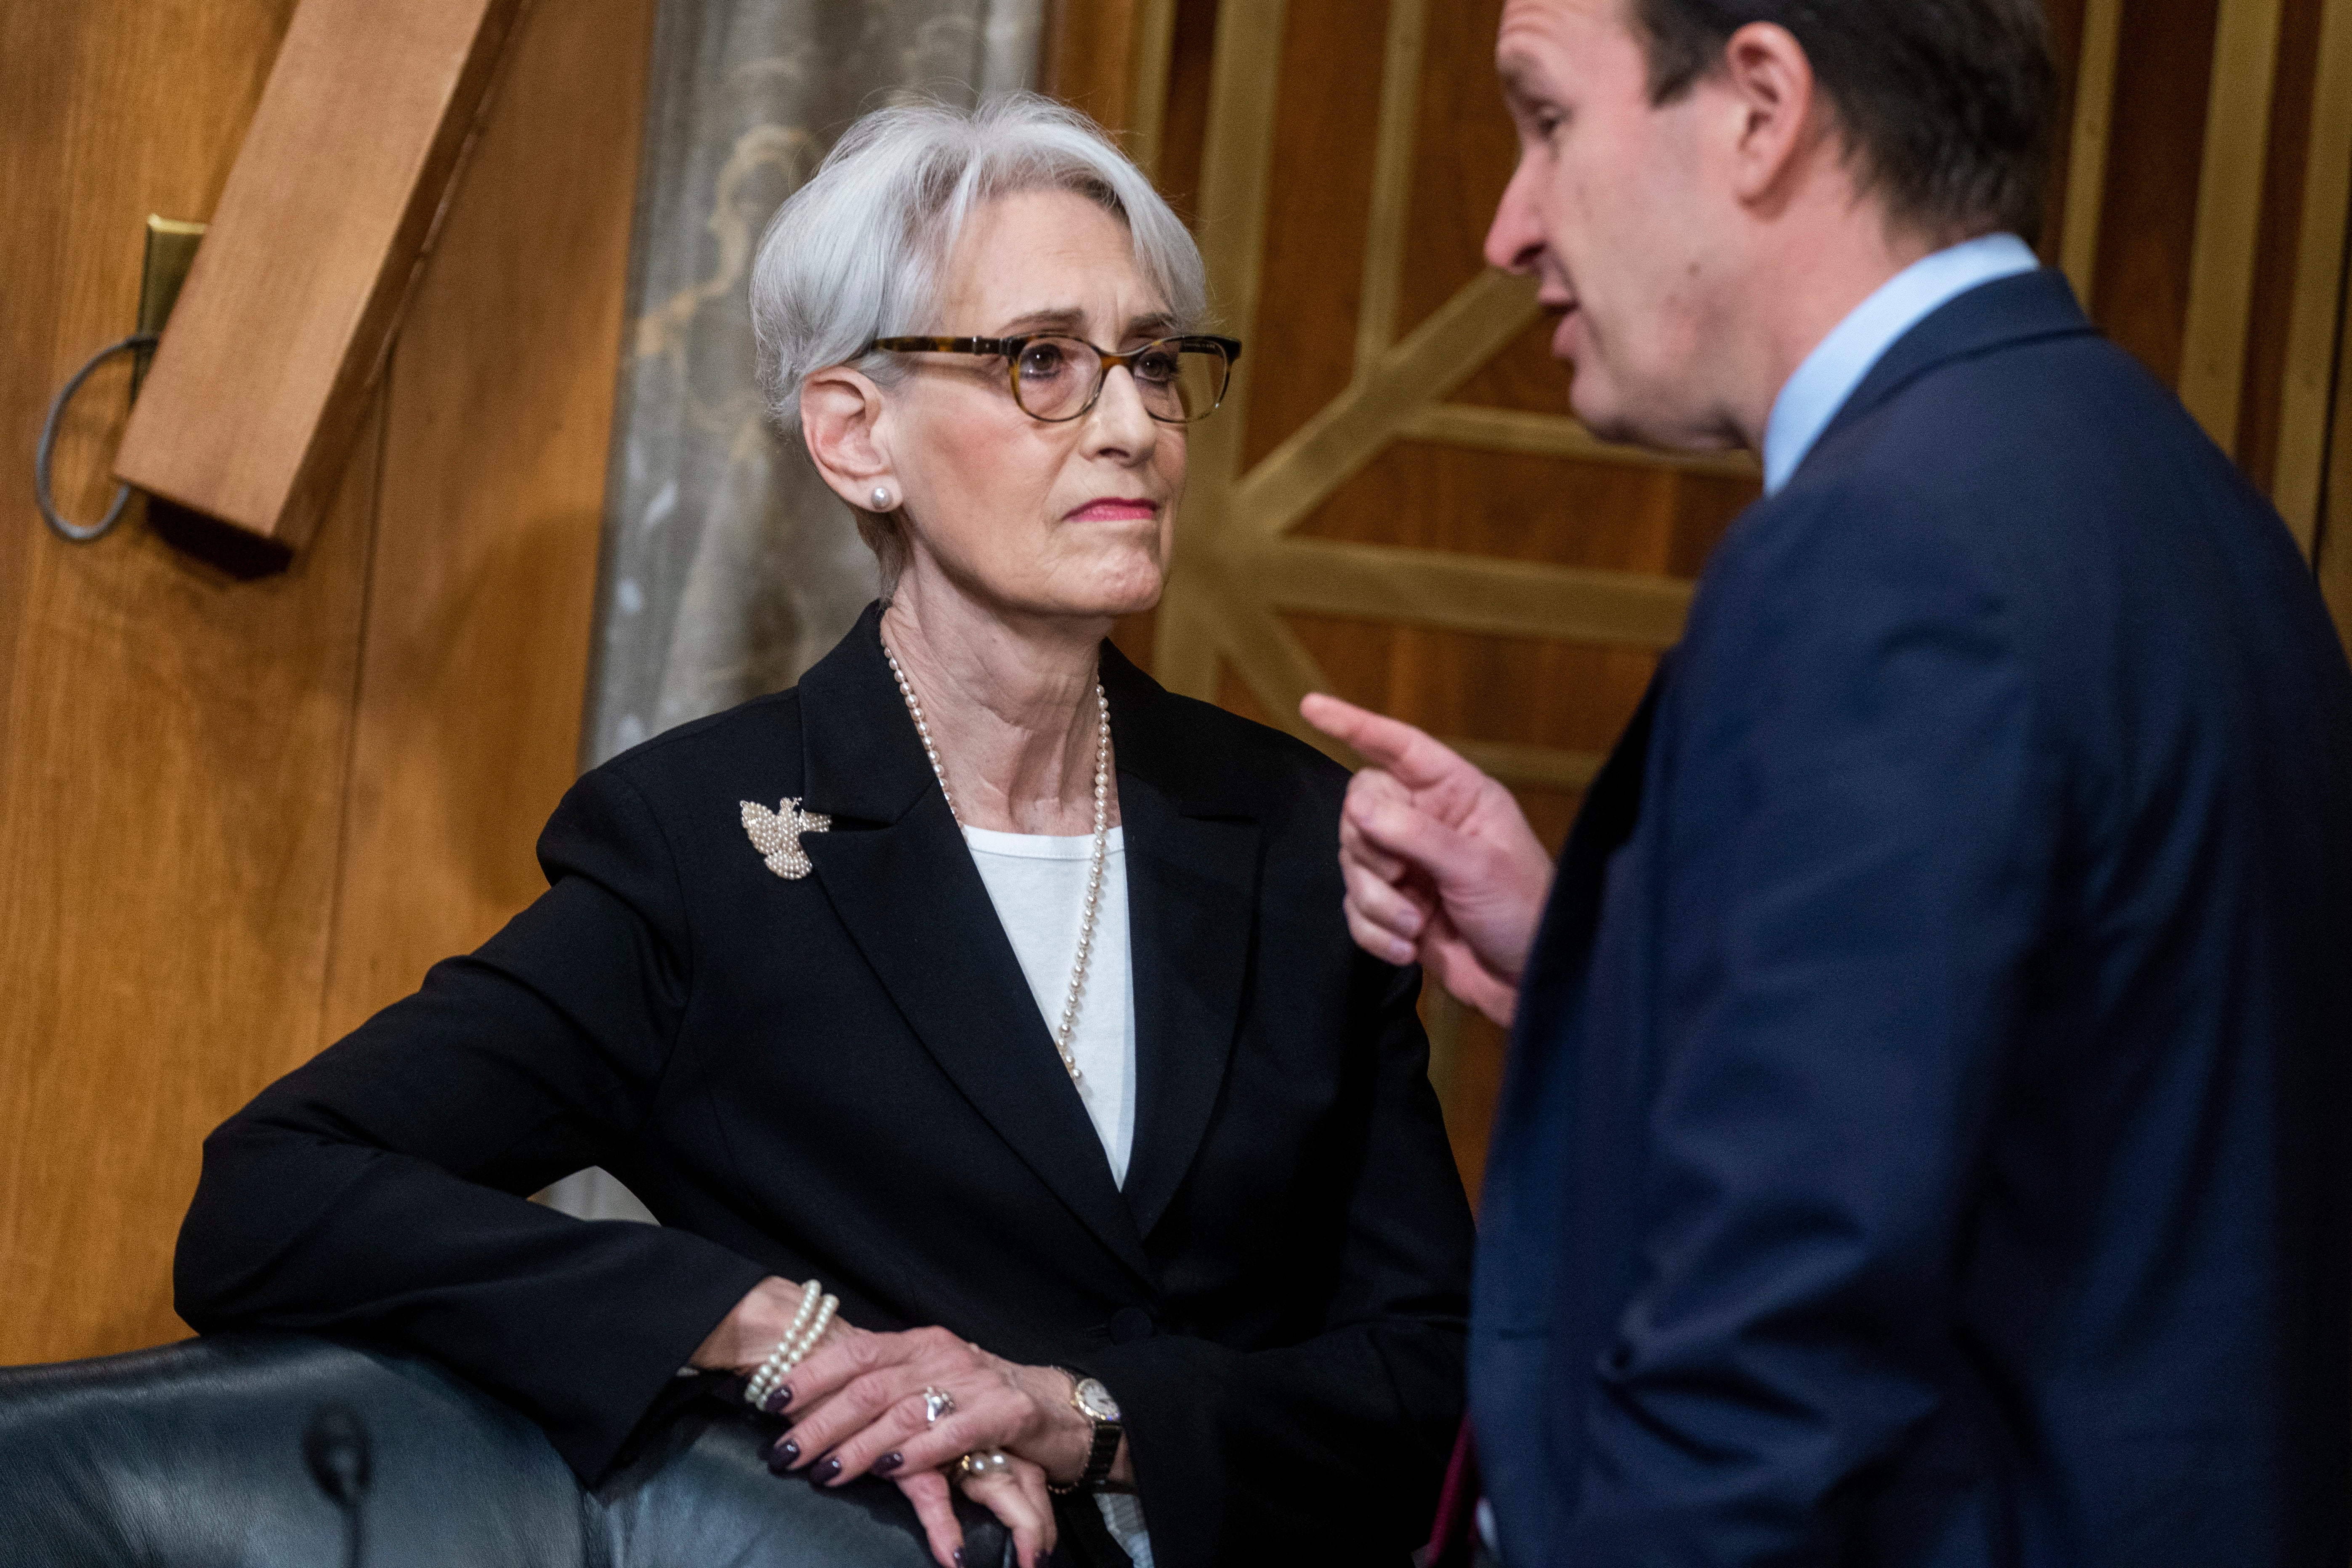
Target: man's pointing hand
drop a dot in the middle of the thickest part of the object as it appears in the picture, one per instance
(1439, 863)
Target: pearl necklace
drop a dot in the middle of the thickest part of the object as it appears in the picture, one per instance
(1067, 1028)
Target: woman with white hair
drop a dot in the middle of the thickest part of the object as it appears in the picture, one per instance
(977, 1016)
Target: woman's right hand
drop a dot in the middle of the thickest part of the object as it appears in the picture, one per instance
(750, 1332)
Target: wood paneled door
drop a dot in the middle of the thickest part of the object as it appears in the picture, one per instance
(1396, 504)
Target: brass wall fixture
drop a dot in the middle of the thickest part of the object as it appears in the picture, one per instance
(170, 250)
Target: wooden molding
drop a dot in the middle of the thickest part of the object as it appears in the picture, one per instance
(258, 387)
(2229, 216)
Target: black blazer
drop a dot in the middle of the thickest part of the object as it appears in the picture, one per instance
(1927, 1142)
(845, 1076)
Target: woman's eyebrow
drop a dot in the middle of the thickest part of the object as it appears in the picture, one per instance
(1072, 322)
(1064, 319)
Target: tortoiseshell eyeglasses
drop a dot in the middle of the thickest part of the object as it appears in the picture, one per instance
(1057, 379)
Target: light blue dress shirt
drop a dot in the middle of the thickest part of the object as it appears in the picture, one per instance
(1811, 397)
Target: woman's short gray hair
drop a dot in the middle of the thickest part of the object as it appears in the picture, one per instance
(859, 252)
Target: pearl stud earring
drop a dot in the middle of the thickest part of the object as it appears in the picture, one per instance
(880, 497)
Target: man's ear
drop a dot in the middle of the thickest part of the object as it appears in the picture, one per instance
(1782, 116)
(841, 418)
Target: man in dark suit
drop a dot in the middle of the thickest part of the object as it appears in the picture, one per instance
(1925, 1136)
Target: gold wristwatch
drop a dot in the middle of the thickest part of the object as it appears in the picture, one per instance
(1090, 1399)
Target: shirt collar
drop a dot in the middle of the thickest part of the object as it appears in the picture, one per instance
(1812, 397)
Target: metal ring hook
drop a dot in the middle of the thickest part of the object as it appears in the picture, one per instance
(42, 498)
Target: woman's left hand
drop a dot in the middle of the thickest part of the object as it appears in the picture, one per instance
(1015, 1493)
(858, 1408)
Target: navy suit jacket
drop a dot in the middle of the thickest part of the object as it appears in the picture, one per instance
(1926, 1140)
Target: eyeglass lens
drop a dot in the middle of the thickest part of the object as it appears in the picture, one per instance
(1057, 377)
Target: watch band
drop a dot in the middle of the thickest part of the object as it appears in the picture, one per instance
(1104, 1451)
(1099, 1456)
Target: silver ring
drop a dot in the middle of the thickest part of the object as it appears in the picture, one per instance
(936, 1404)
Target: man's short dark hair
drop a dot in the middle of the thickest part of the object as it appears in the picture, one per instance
(1945, 103)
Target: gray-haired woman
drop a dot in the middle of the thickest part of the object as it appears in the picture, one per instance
(978, 1017)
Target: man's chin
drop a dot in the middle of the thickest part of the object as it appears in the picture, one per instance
(1658, 430)
(1605, 417)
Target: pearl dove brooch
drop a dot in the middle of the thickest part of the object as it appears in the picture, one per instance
(776, 835)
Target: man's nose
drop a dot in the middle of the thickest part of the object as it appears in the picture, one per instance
(1515, 240)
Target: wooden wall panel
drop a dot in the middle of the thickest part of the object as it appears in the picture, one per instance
(237, 812)
(1111, 59)
(1465, 149)
(2263, 385)
(2336, 520)
(2066, 40)
(499, 411)
(109, 110)
(170, 736)
(1303, 354)
(170, 844)
(2148, 219)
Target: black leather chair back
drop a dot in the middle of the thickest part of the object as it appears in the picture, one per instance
(194, 1457)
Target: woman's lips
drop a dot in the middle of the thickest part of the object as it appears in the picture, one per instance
(1116, 511)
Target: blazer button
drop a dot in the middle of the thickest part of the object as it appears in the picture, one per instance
(1130, 1324)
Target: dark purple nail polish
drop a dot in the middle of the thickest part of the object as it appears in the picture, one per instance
(775, 1404)
(960, 1561)
(783, 1454)
(888, 1463)
(826, 1469)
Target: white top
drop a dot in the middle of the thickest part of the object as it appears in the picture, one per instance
(1038, 885)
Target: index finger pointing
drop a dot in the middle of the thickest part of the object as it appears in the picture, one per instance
(1418, 761)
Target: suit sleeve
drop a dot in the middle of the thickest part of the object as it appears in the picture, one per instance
(382, 1189)
(1331, 1449)
(1863, 800)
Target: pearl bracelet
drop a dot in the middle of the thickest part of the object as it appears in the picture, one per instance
(808, 1326)
(790, 1352)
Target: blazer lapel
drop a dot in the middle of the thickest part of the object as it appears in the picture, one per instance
(1551, 989)
(1192, 894)
(1611, 807)
(1192, 867)
(902, 881)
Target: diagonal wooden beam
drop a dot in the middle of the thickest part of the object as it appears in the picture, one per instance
(261, 381)
(1269, 657)
(1552, 435)
(1467, 332)
(1467, 592)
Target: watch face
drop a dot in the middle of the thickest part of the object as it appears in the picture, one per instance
(1097, 1399)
